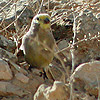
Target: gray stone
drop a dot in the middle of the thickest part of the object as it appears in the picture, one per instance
(5, 71)
(21, 77)
(8, 89)
(8, 13)
(55, 73)
(7, 55)
(7, 44)
(58, 91)
(87, 76)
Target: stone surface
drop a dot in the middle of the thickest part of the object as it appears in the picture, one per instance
(62, 29)
(55, 73)
(88, 27)
(62, 44)
(87, 44)
(20, 5)
(4, 54)
(5, 71)
(7, 89)
(61, 11)
(87, 76)
(87, 24)
(58, 91)
(7, 44)
(34, 82)
(22, 77)
(17, 98)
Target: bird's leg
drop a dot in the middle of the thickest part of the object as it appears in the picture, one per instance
(31, 67)
(43, 73)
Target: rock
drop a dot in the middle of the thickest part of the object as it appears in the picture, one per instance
(58, 91)
(5, 71)
(7, 89)
(87, 24)
(87, 76)
(62, 44)
(87, 46)
(11, 98)
(7, 44)
(21, 77)
(34, 82)
(27, 97)
(62, 29)
(18, 68)
(55, 73)
(7, 55)
(8, 17)
(82, 95)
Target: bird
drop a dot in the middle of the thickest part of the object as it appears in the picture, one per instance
(38, 44)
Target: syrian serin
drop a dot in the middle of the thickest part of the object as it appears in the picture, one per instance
(38, 43)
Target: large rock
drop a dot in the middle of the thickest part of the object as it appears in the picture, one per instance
(58, 91)
(30, 84)
(87, 28)
(87, 44)
(27, 97)
(87, 24)
(7, 89)
(87, 76)
(5, 71)
(55, 73)
(21, 77)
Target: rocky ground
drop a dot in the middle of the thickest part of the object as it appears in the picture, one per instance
(76, 29)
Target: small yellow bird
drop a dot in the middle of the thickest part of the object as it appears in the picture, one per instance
(38, 43)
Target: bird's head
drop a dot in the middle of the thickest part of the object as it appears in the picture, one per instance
(43, 20)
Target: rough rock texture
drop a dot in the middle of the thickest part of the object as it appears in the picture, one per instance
(58, 91)
(15, 21)
(33, 83)
(10, 11)
(7, 89)
(21, 86)
(62, 44)
(22, 77)
(63, 30)
(55, 73)
(7, 44)
(4, 54)
(87, 44)
(87, 76)
(87, 24)
(5, 71)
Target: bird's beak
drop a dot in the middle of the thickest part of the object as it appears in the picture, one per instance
(46, 21)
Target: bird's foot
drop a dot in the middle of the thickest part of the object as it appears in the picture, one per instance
(30, 68)
(44, 75)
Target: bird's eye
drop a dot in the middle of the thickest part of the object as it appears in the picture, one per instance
(46, 20)
(37, 18)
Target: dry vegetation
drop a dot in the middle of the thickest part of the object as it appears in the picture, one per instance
(69, 20)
